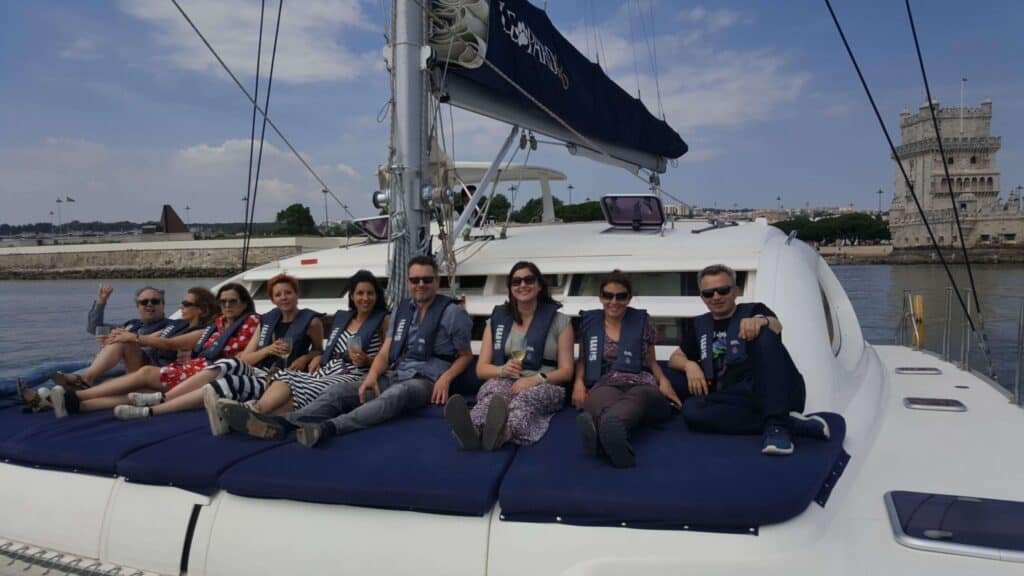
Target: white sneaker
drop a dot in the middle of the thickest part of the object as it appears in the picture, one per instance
(145, 398)
(57, 399)
(218, 425)
(126, 412)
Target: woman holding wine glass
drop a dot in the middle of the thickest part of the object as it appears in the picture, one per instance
(356, 336)
(526, 358)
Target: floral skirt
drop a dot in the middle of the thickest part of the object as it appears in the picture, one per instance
(529, 411)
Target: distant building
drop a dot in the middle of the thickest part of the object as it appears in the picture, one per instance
(971, 161)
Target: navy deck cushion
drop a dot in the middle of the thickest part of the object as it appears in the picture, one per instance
(191, 461)
(411, 463)
(93, 442)
(682, 480)
(13, 421)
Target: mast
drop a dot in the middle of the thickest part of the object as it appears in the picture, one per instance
(410, 219)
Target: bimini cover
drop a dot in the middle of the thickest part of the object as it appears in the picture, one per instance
(487, 49)
(682, 480)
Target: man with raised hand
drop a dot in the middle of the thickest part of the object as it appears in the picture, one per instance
(741, 378)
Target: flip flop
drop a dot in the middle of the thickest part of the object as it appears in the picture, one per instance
(70, 381)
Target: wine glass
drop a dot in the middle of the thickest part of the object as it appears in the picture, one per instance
(355, 343)
(287, 348)
(101, 335)
(518, 354)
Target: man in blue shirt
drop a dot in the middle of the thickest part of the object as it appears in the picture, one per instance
(427, 347)
(740, 376)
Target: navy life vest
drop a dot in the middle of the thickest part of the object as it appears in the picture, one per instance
(422, 348)
(296, 332)
(171, 329)
(342, 318)
(735, 347)
(536, 334)
(214, 351)
(137, 327)
(631, 343)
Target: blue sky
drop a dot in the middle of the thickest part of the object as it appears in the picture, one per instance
(120, 106)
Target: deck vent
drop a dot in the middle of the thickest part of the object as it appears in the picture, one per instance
(635, 211)
(918, 370)
(936, 404)
(961, 525)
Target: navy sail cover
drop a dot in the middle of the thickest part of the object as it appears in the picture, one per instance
(525, 47)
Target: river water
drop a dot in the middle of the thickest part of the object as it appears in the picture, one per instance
(45, 320)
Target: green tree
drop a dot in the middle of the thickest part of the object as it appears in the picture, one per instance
(850, 227)
(582, 212)
(499, 208)
(533, 210)
(296, 220)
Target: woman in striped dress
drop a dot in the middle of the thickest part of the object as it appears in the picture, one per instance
(342, 363)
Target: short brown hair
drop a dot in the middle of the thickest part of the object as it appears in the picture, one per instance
(289, 280)
(618, 277)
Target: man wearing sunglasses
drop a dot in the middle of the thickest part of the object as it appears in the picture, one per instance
(741, 378)
(427, 347)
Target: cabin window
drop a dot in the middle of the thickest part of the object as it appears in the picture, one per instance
(471, 284)
(834, 337)
(312, 288)
(649, 283)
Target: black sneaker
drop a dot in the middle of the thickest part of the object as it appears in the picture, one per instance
(309, 434)
(588, 433)
(777, 441)
(457, 414)
(615, 440)
(244, 421)
(494, 433)
(808, 426)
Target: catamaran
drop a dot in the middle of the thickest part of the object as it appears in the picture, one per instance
(918, 476)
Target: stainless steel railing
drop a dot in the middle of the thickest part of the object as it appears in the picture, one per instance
(913, 324)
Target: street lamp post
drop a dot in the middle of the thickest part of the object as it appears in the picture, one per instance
(325, 207)
(570, 187)
(880, 192)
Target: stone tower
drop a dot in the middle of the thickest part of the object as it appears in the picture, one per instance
(971, 160)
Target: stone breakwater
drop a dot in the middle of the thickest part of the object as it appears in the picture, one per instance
(209, 258)
(874, 255)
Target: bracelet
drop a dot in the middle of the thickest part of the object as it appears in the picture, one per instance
(501, 371)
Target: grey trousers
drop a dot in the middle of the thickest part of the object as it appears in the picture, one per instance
(340, 404)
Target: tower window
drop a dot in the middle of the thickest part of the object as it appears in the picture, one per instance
(974, 159)
(949, 160)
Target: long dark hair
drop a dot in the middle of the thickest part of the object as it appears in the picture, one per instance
(366, 276)
(243, 295)
(206, 302)
(543, 296)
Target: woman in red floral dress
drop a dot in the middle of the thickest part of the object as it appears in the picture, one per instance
(229, 335)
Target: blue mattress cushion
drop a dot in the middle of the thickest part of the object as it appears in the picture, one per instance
(683, 480)
(93, 442)
(192, 461)
(14, 421)
(410, 463)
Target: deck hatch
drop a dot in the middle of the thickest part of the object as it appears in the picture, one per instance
(961, 525)
(918, 370)
(936, 404)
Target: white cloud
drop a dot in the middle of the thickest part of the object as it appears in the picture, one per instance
(131, 183)
(311, 45)
(346, 170)
(84, 48)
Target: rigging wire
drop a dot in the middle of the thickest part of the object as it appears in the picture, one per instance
(899, 163)
(270, 122)
(263, 134)
(945, 165)
(249, 204)
(632, 45)
(654, 62)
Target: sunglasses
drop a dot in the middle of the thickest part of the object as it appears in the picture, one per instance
(187, 304)
(421, 279)
(616, 296)
(710, 292)
(229, 302)
(520, 280)
(149, 302)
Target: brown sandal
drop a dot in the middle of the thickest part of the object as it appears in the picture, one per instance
(33, 401)
(70, 381)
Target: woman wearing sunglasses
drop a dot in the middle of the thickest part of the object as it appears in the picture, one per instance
(619, 384)
(355, 339)
(526, 358)
(198, 309)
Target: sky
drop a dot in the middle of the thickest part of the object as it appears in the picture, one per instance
(119, 105)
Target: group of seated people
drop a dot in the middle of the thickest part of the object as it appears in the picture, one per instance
(273, 374)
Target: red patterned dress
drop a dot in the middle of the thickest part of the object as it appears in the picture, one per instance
(176, 373)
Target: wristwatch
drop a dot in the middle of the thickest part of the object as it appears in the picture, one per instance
(543, 377)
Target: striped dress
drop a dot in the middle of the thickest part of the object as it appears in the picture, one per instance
(307, 386)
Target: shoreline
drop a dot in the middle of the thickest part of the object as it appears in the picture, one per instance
(917, 256)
